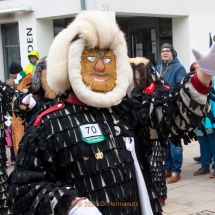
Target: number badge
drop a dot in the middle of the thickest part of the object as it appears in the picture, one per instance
(91, 133)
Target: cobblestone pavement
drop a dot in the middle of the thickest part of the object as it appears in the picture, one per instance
(192, 195)
(204, 213)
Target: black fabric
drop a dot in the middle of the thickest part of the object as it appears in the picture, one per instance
(15, 68)
(58, 150)
(4, 207)
(164, 105)
(9, 99)
(157, 164)
(168, 102)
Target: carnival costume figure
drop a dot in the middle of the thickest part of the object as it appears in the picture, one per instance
(90, 149)
(22, 106)
(10, 100)
(148, 83)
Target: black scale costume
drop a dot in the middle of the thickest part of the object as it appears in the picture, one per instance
(11, 100)
(54, 164)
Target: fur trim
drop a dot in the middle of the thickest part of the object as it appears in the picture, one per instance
(48, 92)
(10, 82)
(95, 30)
(147, 72)
(143, 75)
(138, 60)
(36, 79)
(39, 80)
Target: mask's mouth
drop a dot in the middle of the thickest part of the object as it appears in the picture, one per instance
(100, 77)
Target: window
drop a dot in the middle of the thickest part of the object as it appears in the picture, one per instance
(60, 24)
(11, 47)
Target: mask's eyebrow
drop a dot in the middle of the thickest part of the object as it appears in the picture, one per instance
(102, 52)
(88, 51)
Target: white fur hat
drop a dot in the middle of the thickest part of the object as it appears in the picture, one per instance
(91, 29)
(206, 60)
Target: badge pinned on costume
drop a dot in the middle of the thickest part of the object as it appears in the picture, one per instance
(118, 130)
(99, 155)
(91, 133)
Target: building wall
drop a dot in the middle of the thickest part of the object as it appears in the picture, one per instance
(56, 8)
(181, 39)
(192, 20)
(145, 7)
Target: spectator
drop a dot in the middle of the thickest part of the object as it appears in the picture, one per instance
(207, 142)
(193, 68)
(33, 58)
(172, 72)
(14, 69)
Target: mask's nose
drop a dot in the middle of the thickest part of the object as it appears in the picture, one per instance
(99, 67)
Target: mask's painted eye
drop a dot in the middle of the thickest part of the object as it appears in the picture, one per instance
(91, 59)
(107, 60)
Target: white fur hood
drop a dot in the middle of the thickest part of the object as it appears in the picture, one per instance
(94, 29)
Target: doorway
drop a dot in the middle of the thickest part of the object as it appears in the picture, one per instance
(145, 35)
(143, 44)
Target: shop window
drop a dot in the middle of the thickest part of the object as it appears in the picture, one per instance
(11, 46)
(60, 24)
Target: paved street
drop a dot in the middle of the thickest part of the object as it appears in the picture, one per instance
(192, 195)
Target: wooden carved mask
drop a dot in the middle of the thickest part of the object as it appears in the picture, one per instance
(99, 69)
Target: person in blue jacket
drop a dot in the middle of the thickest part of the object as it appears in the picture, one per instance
(207, 142)
(172, 71)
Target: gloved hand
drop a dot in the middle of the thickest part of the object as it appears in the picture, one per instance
(25, 90)
(16, 81)
(29, 100)
(205, 60)
(84, 207)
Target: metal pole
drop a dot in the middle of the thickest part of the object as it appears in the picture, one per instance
(83, 5)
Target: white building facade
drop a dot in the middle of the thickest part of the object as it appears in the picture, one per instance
(27, 25)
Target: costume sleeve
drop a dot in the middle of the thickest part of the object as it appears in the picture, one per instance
(175, 111)
(36, 186)
(10, 98)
